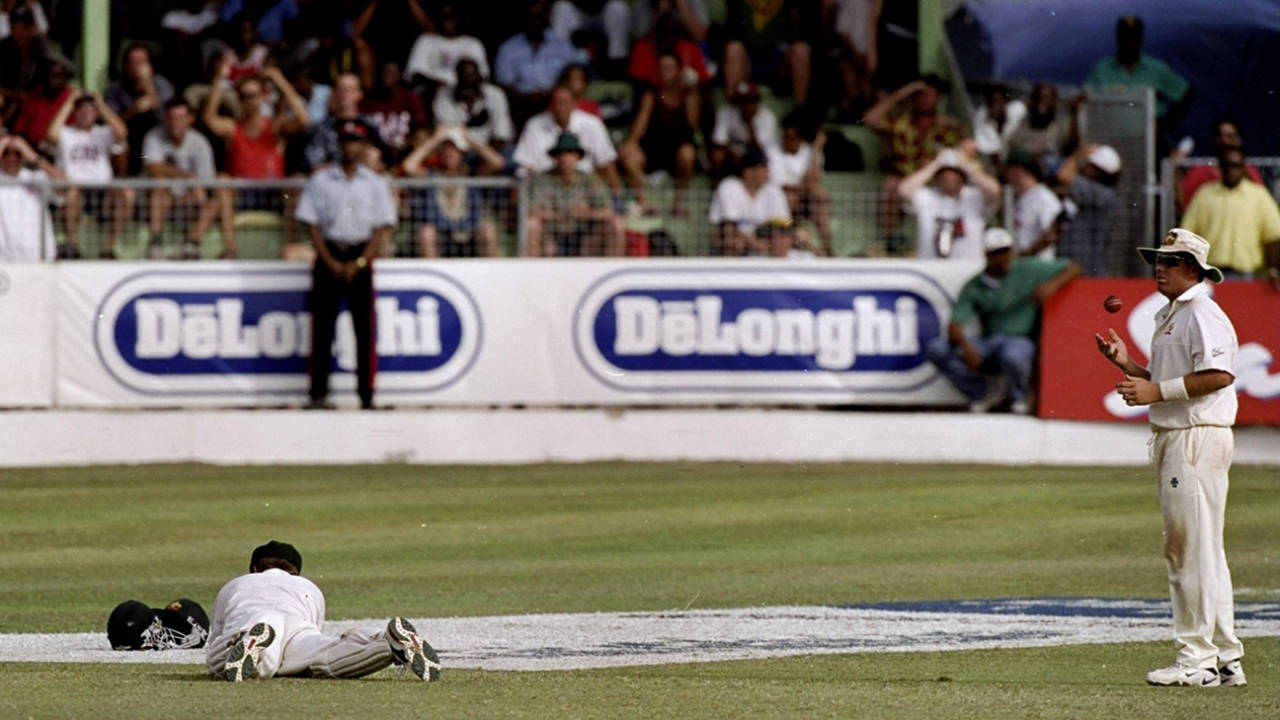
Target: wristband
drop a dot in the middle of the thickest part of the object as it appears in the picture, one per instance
(1174, 389)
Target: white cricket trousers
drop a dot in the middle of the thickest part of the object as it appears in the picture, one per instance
(300, 648)
(1191, 469)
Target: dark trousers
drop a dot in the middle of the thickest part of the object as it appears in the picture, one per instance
(326, 293)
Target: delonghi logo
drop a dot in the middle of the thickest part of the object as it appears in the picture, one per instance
(220, 330)
(761, 329)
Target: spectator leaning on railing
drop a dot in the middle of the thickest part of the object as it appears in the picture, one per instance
(84, 155)
(26, 229)
(1005, 299)
(176, 152)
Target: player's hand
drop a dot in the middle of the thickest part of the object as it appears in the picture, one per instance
(1137, 391)
(1114, 349)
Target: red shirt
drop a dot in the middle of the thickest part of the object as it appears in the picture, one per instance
(256, 157)
(38, 112)
(644, 60)
(396, 116)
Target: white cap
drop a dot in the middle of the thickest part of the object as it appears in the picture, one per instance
(455, 136)
(1106, 158)
(996, 238)
(1181, 240)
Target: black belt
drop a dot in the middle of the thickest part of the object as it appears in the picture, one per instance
(346, 250)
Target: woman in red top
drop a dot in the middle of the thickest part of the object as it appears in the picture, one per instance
(255, 141)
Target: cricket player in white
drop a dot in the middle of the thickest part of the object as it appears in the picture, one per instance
(268, 623)
(1189, 386)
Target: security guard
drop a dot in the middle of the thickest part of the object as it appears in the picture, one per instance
(350, 212)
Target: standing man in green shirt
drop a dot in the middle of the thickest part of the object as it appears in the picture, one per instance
(1004, 300)
(1130, 67)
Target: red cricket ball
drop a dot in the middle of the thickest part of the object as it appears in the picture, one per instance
(1112, 304)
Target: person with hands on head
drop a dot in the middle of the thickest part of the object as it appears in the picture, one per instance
(26, 229)
(1192, 407)
(950, 196)
(84, 154)
(450, 218)
(255, 142)
(349, 211)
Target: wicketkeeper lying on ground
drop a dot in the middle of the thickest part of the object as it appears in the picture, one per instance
(268, 622)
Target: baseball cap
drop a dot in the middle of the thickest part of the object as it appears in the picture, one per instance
(277, 549)
(1106, 159)
(996, 238)
(454, 135)
(950, 159)
(358, 130)
(1183, 241)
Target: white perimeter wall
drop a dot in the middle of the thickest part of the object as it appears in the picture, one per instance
(475, 436)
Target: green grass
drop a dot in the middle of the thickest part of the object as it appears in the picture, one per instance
(576, 538)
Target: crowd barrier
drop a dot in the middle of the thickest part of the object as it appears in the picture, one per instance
(564, 333)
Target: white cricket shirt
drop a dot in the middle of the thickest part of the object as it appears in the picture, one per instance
(1193, 334)
(243, 600)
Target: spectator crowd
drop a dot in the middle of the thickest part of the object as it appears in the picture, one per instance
(254, 90)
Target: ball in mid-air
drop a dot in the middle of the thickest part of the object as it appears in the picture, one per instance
(1112, 304)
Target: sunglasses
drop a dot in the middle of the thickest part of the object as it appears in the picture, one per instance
(1169, 261)
(11, 152)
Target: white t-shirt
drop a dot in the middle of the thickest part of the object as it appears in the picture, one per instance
(732, 203)
(955, 221)
(26, 229)
(437, 56)
(788, 169)
(542, 131)
(991, 141)
(245, 599)
(730, 129)
(1193, 334)
(1033, 214)
(85, 155)
(492, 102)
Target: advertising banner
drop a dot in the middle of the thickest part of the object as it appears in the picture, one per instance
(1077, 383)
(483, 332)
(26, 334)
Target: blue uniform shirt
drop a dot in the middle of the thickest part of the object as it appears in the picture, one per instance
(347, 210)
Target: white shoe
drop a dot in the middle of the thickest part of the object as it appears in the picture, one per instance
(1020, 407)
(1232, 674)
(1185, 676)
(246, 654)
(409, 649)
(997, 392)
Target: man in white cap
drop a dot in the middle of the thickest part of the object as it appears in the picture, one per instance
(1087, 180)
(1005, 299)
(1188, 386)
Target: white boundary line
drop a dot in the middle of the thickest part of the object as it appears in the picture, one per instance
(595, 640)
